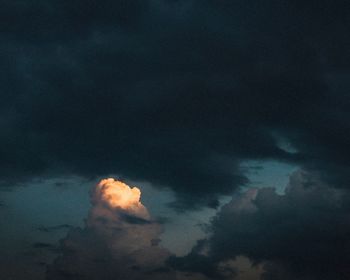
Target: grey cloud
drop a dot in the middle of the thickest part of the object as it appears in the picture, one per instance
(175, 93)
(303, 234)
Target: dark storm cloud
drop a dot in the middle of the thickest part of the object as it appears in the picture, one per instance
(174, 92)
(303, 234)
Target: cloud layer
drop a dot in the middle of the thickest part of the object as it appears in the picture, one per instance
(177, 93)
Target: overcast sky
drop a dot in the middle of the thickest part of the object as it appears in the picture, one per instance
(231, 117)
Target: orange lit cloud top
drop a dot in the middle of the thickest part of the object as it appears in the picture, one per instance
(118, 195)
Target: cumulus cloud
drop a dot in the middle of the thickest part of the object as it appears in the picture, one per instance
(114, 194)
(302, 234)
(120, 240)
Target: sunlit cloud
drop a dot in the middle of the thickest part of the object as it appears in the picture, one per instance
(120, 240)
(118, 195)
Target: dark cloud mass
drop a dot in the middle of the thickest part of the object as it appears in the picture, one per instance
(181, 94)
(174, 92)
(303, 234)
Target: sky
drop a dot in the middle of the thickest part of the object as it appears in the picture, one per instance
(174, 139)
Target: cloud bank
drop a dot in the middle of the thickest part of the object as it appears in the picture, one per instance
(160, 91)
(303, 234)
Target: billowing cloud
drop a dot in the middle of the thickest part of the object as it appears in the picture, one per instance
(303, 234)
(114, 194)
(120, 240)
